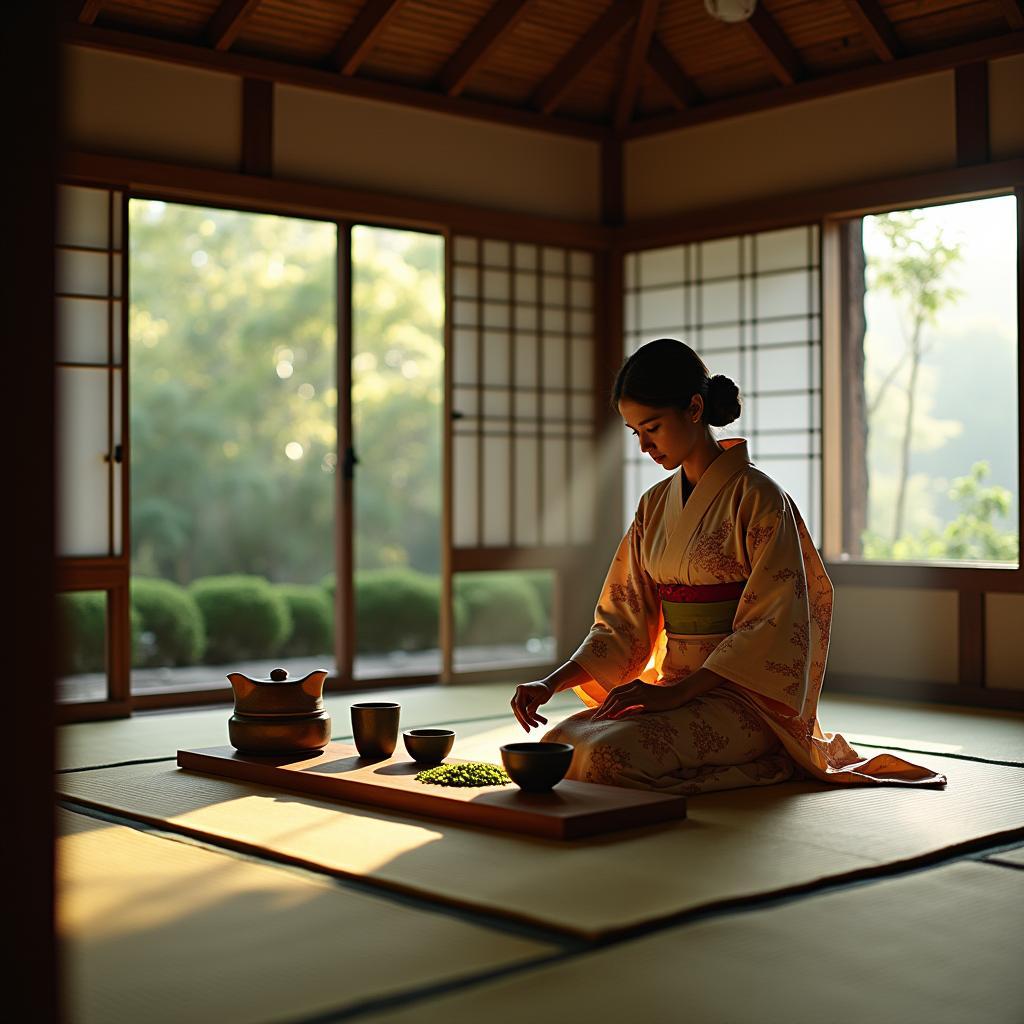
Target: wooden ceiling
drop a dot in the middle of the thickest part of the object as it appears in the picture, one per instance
(586, 67)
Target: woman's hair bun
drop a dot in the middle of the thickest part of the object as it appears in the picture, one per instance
(723, 402)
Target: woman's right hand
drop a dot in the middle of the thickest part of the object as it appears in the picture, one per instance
(528, 697)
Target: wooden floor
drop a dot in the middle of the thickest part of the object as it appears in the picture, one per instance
(160, 926)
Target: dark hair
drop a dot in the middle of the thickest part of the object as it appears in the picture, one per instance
(667, 372)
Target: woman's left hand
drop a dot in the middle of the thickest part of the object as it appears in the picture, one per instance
(639, 696)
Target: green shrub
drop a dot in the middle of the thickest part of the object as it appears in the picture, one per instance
(244, 617)
(543, 582)
(312, 628)
(81, 628)
(171, 624)
(501, 608)
(82, 632)
(396, 610)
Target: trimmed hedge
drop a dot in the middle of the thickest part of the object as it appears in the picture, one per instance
(312, 628)
(396, 610)
(501, 608)
(82, 634)
(244, 617)
(171, 623)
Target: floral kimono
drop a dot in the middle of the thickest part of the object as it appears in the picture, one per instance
(724, 576)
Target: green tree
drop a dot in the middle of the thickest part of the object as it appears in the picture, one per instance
(234, 394)
(914, 274)
(971, 536)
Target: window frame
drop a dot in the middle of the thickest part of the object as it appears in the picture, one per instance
(198, 187)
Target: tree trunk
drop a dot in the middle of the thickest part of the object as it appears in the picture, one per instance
(908, 430)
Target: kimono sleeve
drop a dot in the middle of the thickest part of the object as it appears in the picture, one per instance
(627, 622)
(771, 649)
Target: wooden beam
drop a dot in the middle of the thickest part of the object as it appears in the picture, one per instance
(1013, 12)
(843, 201)
(612, 182)
(87, 11)
(188, 183)
(499, 21)
(362, 34)
(257, 126)
(870, 19)
(1004, 45)
(227, 22)
(246, 66)
(774, 46)
(553, 89)
(684, 92)
(635, 63)
(972, 145)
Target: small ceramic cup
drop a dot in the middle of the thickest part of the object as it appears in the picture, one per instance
(431, 746)
(375, 727)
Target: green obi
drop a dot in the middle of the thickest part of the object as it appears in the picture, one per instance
(698, 617)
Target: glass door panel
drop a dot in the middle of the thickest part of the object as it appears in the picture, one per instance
(397, 397)
(233, 336)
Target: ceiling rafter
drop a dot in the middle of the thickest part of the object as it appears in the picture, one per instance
(360, 37)
(635, 64)
(87, 11)
(1013, 12)
(684, 93)
(497, 23)
(774, 46)
(227, 22)
(875, 27)
(553, 89)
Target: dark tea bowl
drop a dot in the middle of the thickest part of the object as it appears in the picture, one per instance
(536, 767)
(430, 746)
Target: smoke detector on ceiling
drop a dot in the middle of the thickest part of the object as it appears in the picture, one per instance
(730, 10)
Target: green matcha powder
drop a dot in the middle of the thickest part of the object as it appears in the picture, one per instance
(469, 773)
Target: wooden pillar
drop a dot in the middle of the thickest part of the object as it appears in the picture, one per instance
(31, 75)
(854, 405)
(972, 145)
(257, 126)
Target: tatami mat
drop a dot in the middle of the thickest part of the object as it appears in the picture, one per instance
(734, 845)
(934, 947)
(156, 930)
(930, 728)
(941, 729)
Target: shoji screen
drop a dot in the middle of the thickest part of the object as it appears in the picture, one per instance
(89, 269)
(750, 306)
(522, 395)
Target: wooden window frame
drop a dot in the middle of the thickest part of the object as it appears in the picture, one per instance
(830, 208)
(155, 180)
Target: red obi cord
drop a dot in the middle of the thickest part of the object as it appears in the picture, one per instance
(683, 592)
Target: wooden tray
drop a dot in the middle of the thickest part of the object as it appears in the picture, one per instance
(571, 810)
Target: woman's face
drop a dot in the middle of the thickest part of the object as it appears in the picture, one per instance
(667, 434)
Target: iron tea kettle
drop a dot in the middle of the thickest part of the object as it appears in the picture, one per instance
(278, 714)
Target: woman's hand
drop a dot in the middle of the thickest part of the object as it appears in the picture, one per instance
(639, 696)
(528, 697)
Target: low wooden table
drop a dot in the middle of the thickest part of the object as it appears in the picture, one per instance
(571, 810)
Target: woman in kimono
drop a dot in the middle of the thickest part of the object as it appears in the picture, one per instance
(705, 662)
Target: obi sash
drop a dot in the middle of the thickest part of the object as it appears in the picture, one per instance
(696, 610)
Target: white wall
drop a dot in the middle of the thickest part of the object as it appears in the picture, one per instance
(328, 138)
(131, 106)
(884, 131)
